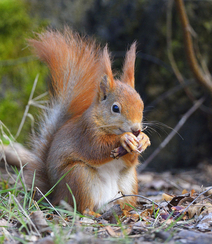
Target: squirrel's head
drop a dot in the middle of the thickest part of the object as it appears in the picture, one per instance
(119, 107)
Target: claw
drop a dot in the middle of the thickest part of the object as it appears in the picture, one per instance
(130, 145)
(135, 139)
(126, 146)
(116, 155)
(139, 151)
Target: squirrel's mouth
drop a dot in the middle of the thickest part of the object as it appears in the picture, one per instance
(135, 133)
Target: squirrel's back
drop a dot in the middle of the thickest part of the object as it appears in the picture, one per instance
(76, 69)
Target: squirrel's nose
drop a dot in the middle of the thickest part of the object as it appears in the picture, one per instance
(136, 129)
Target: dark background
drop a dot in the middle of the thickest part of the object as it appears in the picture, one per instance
(117, 23)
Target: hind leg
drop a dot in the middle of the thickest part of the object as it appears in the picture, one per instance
(79, 179)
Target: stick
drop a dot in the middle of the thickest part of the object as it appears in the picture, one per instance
(132, 195)
(170, 52)
(196, 105)
(201, 77)
(27, 107)
(202, 193)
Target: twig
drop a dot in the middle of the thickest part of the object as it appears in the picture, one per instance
(171, 135)
(167, 94)
(132, 195)
(26, 215)
(116, 209)
(2, 152)
(177, 73)
(170, 52)
(32, 123)
(41, 96)
(3, 157)
(34, 102)
(27, 108)
(202, 193)
(202, 78)
(52, 206)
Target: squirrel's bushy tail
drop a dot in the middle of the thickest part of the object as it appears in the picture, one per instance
(74, 65)
(76, 70)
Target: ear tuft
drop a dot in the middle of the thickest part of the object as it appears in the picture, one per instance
(106, 64)
(129, 66)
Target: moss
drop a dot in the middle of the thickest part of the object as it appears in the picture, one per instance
(18, 68)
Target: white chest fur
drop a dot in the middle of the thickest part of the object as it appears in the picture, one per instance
(112, 177)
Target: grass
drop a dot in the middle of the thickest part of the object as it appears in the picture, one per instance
(17, 207)
(25, 220)
(62, 223)
(17, 204)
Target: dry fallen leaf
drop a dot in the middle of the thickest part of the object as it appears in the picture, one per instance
(207, 209)
(91, 213)
(39, 220)
(167, 197)
(175, 201)
(192, 193)
(209, 192)
(158, 184)
(146, 213)
(184, 191)
(110, 214)
(185, 200)
(165, 215)
(194, 210)
(110, 231)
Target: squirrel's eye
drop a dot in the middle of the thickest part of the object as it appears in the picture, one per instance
(115, 108)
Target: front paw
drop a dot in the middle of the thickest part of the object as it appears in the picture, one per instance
(118, 152)
(144, 142)
(129, 142)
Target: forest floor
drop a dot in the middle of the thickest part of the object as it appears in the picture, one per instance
(172, 208)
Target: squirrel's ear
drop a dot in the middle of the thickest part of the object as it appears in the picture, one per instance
(129, 66)
(107, 82)
(106, 65)
(104, 87)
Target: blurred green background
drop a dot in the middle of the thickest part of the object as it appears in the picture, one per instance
(18, 68)
(117, 23)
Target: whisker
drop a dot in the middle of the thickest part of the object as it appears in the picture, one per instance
(148, 127)
(151, 130)
(144, 128)
(168, 127)
(160, 126)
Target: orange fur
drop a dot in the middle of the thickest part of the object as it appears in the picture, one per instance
(74, 65)
(128, 68)
(80, 129)
(106, 64)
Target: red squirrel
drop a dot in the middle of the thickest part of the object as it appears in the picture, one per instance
(92, 118)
